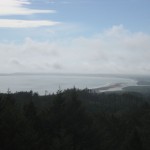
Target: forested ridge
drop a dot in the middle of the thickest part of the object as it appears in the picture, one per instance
(74, 120)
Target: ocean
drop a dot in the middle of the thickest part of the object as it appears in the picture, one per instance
(51, 83)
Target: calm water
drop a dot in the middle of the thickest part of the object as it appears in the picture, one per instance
(51, 83)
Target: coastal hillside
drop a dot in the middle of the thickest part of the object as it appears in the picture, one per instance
(74, 119)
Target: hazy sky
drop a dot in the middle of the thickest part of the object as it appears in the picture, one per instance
(75, 36)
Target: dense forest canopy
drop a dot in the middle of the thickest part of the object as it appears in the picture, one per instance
(74, 120)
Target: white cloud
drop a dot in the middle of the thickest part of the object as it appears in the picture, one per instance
(8, 23)
(102, 53)
(17, 7)
(116, 31)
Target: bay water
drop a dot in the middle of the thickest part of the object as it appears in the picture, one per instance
(51, 83)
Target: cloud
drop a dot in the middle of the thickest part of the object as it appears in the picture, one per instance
(8, 23)
(116, 50)
(17, 7)
(57, 66)
(116, 31)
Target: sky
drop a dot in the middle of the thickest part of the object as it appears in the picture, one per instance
(75, 36)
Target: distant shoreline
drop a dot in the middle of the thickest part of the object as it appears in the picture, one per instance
(111, 87)
(119, 86)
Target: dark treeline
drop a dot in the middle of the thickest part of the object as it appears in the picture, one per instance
(74, 120)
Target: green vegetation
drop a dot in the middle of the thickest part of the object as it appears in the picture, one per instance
(74, 120)
(140, 89)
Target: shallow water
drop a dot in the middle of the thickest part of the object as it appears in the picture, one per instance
(51, 83)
